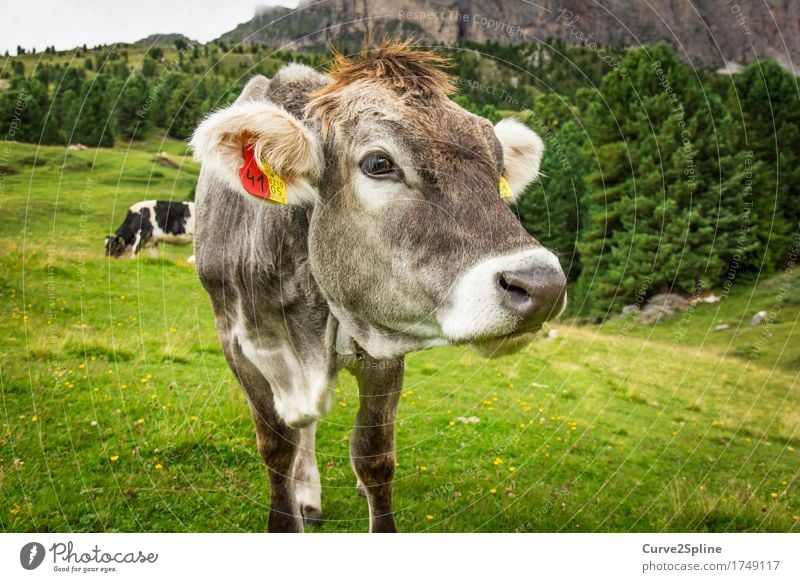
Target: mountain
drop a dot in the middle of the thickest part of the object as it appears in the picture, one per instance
(167, 39)
(705, 33)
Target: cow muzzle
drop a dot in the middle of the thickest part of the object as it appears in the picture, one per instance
(504, 300)
(533, 297)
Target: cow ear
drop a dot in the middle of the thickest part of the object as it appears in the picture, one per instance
(281, 143)
(522, 155)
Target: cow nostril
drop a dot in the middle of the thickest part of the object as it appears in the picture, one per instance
(515, 293)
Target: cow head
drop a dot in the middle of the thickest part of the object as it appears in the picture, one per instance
(116, 246)
(409, 239)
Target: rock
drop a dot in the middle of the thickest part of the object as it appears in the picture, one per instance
(163, 159)
(190, 260)
(661, 306)
(552, 334)
(710, 298)
(628, 309)
(79, 147)
(671, 301)
(721, 327)
(758, 318)
(468, 420)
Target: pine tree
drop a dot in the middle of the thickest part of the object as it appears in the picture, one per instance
(765, 104)
(94, 124)
(131, 120)
(185, 108)
(642, 231)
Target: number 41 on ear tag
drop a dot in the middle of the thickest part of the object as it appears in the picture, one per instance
(260, 180)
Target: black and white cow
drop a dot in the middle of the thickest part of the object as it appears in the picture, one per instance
(150, 223)
(390, 234)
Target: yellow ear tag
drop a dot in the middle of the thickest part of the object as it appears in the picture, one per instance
(505, 189)
(277, 186)
(259, 180)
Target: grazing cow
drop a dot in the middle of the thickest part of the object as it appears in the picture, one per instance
(394, 237)
(150, 223)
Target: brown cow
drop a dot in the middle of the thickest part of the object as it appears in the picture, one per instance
(393, 238)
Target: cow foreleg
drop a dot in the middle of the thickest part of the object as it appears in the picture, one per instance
(308, 489)
(277, 443)
(372, 451)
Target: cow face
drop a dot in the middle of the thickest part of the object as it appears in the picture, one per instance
(409, 240)
(115, 246)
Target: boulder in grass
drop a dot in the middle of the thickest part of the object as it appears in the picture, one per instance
(661, 306)
(164, 159)
(628, 309)
(759, 318)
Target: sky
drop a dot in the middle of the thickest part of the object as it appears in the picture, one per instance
(71, 23)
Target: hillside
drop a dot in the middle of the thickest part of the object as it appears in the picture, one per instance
(704, 33)
(119, 413)
(167, 39)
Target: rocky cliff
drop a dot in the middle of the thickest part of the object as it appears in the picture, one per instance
(705, 33)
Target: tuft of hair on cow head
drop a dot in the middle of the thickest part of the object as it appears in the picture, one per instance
(280, 141)
(418, 78)
(406, 68)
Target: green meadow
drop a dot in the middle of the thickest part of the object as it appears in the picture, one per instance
(119, 413)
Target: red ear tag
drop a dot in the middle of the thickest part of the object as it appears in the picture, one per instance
(253, 179)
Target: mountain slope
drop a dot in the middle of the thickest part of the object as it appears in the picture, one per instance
(705, 33)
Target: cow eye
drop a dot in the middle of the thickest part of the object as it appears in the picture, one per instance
(380, 166)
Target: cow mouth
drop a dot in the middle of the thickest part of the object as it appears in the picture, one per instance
(495, 347)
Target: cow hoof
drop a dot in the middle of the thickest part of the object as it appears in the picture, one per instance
(312, 516)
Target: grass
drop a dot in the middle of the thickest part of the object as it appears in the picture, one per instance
(118, 411)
